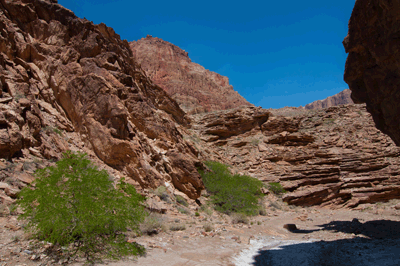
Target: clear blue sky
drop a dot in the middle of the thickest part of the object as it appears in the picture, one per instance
(275, 53)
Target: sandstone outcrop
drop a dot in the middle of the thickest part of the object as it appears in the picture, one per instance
(328, 157)
(340, 98)
(193, 87)
(373, 64)
(69, 84)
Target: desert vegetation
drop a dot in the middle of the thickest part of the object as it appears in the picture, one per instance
(232, 193)
(76, 206)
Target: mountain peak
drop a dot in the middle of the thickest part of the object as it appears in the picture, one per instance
(195, 88)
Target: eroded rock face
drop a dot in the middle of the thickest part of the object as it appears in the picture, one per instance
(193, 87)
(343, 97)
(69, 84)
(373, 64)
(329, 157)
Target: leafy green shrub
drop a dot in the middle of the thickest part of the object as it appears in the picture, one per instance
(181, 200)
(76, 206)
(276, 188)
(232, 193)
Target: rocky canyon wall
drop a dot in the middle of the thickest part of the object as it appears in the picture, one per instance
(373, 62)
(191, 85)
(328, 157)
(342, 97)
(66, 83)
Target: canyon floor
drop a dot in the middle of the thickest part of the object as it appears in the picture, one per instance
(368, 235)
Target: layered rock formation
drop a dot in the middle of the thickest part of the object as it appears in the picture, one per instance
(340, 98)
(373, 64)
(193, 87)
(329, 157)
(69, 84)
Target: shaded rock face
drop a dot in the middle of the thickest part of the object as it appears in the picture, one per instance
(193, 87)
(373, 64)
(329, 157)
(341, 98)
(69, 84)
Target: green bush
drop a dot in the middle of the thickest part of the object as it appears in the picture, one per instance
(76, 206)
(276, 188)
(232, 193)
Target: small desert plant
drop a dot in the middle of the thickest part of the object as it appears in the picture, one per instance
(275, 205)
(206, 210)
(276, 188)
(183, 210)
(196, 214)
(208, 227)
(255, 142)
(181, 200)
(232, 193)
(152, 224)
(76, 206)
(239, 218)
(49, 129)
(162, 193)
(262, 211)
(177, 227)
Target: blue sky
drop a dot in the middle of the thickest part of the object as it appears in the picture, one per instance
(275, 53)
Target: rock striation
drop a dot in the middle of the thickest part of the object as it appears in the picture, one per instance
(373, 63)
(328, 157)
(66, 83)
(340, 98)
(193, 87)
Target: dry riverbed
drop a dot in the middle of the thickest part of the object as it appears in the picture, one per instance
(366, 236)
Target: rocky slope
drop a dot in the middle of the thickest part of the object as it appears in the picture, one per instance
(69, 84)
(372, 67)
(341, 98)
(193, 87)
(329, 157)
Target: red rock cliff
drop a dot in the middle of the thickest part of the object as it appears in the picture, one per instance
(340, 98)
(63, 74)
(193, 87)
(373, 64)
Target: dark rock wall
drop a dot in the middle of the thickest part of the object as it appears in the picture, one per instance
(373, 64)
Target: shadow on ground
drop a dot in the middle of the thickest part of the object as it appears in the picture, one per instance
(380, 245)
(344, 252)
(380, 229)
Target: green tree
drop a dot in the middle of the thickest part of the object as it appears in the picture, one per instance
(75, 205)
